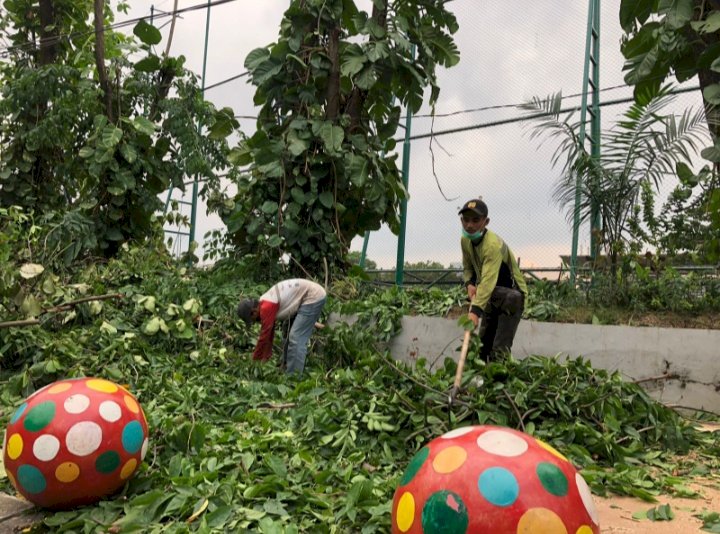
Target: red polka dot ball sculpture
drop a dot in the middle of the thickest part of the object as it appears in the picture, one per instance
(488, 479)
(75, 441)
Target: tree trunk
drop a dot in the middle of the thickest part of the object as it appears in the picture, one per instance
(100, 56)
(332, 108)
(48, 38)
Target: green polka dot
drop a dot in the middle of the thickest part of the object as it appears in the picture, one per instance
(40, 416)
(414, 466)
(552, 479)
(31, 479)
(107, 462)
(445, 512)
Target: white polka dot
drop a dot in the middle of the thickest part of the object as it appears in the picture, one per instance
(76, 404)
(144, 449)
(110, 411)
(458, 432)
(46, 447)
(586, 497)
(502, 443)
(83, 438)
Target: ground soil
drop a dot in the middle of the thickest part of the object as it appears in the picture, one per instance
(666, 319)
(616, 513)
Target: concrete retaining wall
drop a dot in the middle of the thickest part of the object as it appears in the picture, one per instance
(677, 366)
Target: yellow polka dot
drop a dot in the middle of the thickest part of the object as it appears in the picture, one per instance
(128, 469)
(132, 404)
(59, 388)
(448, 460)
(101, 385)
(405, 514)
(15, 446)
(67, 472)
(584, 530)
(551, 449)
(541, 520)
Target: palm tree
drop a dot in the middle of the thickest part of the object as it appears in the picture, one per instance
(638, 152)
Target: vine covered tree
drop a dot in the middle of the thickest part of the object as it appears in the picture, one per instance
(680, 38)
(89, 137)
(321, 163)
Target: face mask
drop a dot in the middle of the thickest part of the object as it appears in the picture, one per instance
(473, 237)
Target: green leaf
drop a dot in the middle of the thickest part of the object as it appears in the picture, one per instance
(148, 64)
(274, 240)
(219, 517)
(147, 33)
(152, 326)
(711, 153)
(296, 59)
(326, 199)
(128, 152)
(332, 137)
(143, 125)
(108, 328)
(295, 144)
(86, 152)
(359, 168)
(685, 174)
(661, 513)
(240, 155)
(678, 12)
(710, 25)
(31, 306)
(114, 234)
(631, 10)
(367, 78)
(269, 207)
(224, 124)
(352, 63)
(111, 136)
(298, 195)
(256, 57)
(445, 50)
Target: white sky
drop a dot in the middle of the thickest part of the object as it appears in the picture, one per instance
(508, 55)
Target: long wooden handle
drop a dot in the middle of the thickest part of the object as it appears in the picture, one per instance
(461, 365)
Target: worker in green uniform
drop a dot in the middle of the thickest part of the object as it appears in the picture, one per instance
(495, 285)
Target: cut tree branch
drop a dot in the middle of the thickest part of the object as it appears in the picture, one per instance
(100, 57)
(61, 308)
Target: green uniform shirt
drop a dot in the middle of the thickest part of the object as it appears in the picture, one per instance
(482, 264)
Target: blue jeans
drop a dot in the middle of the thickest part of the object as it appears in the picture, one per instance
(300, 332)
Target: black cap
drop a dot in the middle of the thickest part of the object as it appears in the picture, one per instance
(245, 310)
(475, 205)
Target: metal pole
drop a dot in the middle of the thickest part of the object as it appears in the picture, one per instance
(400, 265)
(595, 128)
(193, 211)
(593, 5)
(364, 249)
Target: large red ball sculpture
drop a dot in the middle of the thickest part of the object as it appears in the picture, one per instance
(492, 480)
(75, 441)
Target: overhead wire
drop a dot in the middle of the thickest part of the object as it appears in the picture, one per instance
(6, 51)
